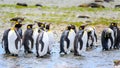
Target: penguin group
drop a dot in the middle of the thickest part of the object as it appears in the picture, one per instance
(110, 37)
(40, 39)
(86, 38)
(77, 41)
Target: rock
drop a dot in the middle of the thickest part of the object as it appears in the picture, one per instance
(117, 6)
(98, 0)
(83, 17)
(19, 19)
(38, 5)
(108, 0)
(22, 4)
(117, 62)
(92, 5)
(95, 5)
(84, 5)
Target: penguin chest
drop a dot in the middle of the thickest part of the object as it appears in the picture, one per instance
(43, 43)
(51, 37)
(13, 42)
(51, 40)
(71, 37)
(84, 40)
(35, 34)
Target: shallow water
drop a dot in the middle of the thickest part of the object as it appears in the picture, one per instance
(94, 58)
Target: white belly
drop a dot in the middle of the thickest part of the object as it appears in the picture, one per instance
(71, 37)
(11, 42)
(51, 40)
(84, 39)
(45, 39)
(35, 35)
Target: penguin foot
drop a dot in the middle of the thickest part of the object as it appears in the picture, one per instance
(16, 55)
(37, 56)
(48, 52)
(7, 52)
(41, 56)
(77, 55)
(72, 51)
(30, 52)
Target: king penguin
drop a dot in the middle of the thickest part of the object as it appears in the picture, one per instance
(107, 39)
(14, 40)
(80, 41)
(28, 40)
(5, 37)
(65, 42)
(116, 31)
(92, 36)
(71, 37)
(42, 42)
(51, 38)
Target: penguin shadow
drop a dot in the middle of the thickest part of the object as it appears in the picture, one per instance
(10, 56)
(28, 55)
(43, 57)
(92, 48)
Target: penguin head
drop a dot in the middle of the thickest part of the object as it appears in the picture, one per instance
(47, 27)
(68, 27)
(18, 25)
(81, 27)
(30, 26)
(39, 24)
(73, 27)
(112, 25)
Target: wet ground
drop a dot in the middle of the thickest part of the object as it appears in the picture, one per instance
(94, 58)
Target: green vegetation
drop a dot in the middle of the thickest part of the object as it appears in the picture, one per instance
(56, 15)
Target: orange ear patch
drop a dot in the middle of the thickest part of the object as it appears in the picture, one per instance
(28, 26)
(16, 23)
(12, 28)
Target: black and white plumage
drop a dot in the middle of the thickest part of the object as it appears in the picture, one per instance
(80, 42)
(14, 40)
(5, 41)
(92, 36)
(42, 43)
(116, 31)
(107, 39)
(67, 40)
(51, 38)
(28, 40)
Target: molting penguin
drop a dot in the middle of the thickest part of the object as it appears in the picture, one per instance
(92, 37)
(107, 39)
(65, 42)
(14, 40)
(42, 43)
(80, 41)
(28, 40)
(51, 37)
(116, 31)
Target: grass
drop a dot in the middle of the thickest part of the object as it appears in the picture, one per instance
(56, 17)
